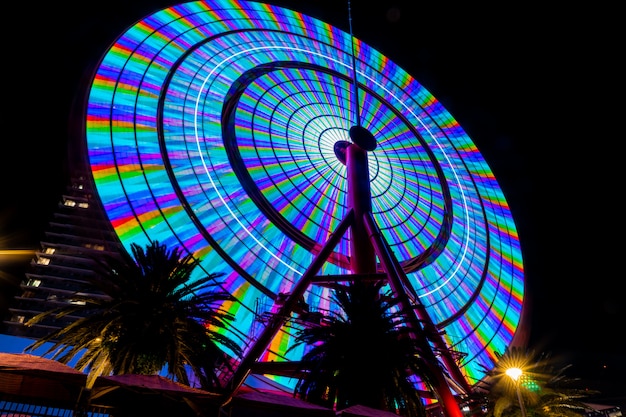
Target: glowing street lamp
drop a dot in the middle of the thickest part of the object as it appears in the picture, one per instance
(516, 376)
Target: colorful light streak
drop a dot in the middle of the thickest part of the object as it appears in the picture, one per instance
(253, 195)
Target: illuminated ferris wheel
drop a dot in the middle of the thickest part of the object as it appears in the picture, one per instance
(220, 127)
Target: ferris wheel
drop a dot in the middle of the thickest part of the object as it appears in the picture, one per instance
(219, 126)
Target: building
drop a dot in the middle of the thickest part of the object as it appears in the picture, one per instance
(77, 233)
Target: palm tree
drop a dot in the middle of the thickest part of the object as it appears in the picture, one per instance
(364, 356)
(147, 316)
(544, 388)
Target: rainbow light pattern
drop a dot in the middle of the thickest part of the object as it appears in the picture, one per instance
(211, 126)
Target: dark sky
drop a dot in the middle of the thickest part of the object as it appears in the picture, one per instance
(539, 90)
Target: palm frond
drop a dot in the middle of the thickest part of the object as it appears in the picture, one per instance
(362, 356)
(146, 313)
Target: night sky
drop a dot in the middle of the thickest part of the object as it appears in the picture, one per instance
(539, 91)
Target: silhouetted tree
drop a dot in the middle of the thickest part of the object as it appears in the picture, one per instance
(146, 316)
(545, 389)
(364, 355)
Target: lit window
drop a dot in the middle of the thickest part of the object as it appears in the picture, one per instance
(33, 282)
(95, 246)
(43, 260)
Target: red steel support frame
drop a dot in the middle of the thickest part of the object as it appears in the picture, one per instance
(277, 320)
(366, 242)
(363, 260)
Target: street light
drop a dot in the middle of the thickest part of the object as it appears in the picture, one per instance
(516, 376)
